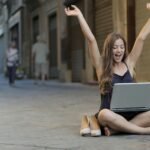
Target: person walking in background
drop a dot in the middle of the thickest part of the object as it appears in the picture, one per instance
(12, 61)
(115, 65)
(40, 58)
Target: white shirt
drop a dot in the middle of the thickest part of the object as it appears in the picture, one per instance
(41, 51)
(12, 56)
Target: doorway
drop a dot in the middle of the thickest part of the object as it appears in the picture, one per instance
(131, 23)
(2, 54)
(53, 69)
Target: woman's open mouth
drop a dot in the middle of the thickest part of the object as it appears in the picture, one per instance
(118, 56)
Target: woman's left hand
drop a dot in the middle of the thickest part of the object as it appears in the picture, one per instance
(148, 6)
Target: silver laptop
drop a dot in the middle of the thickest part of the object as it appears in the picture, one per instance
(131, 97)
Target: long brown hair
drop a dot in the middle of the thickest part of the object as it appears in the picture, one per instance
(107, 57)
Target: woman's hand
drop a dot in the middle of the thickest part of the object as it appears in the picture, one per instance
(148, 6)
(75, 12)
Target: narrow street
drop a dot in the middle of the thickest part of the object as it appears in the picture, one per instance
(47, 117)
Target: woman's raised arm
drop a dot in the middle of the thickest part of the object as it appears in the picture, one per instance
(92, 43)
(138, 45)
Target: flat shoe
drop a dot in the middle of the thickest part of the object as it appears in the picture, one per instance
(85, 126)
(94, 126)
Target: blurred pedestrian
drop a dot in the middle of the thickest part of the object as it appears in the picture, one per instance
(12, 62)
(40, 53)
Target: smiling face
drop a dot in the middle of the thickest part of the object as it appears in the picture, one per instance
(114, 52)
(118, 50)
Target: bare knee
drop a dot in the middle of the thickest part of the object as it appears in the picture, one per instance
(105, 116)
(146, 115)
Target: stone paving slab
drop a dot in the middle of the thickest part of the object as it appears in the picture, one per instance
(47, 117)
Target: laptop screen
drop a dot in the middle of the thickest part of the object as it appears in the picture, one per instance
(131, 96)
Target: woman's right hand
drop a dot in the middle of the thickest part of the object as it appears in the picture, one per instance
(75, 12)
(92, 43)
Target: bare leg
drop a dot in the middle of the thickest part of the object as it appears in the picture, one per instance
(43, 72)
(119, 124)
(142, 119)
(37, 73)
(43, 77)
(35, 80)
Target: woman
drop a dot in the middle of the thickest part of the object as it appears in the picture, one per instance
(115, 66)
(12, 60)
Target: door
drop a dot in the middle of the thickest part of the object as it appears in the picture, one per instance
(76, 47)
(35, 28)
(2, 54)
(131, 23)
(53, 69)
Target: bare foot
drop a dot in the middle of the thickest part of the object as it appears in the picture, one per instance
(107, 131)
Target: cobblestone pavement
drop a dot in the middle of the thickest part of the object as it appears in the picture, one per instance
(47, 117)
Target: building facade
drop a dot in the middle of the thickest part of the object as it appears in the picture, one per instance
(3, 35)
(141, 16)
(69, 58)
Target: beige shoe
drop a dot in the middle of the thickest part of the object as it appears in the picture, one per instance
(94, 126)
(85, 126)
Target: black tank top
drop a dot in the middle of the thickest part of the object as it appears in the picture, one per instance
(106, 98)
